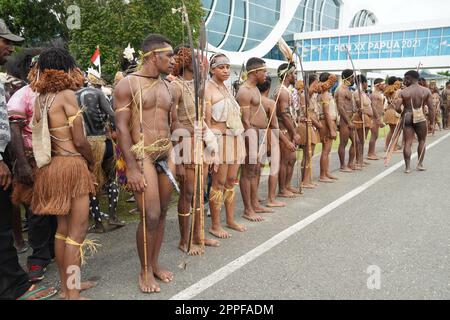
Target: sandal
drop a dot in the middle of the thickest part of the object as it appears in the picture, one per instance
(41, 293)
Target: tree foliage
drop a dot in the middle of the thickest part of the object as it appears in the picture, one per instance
(37, 21)
(111, 24)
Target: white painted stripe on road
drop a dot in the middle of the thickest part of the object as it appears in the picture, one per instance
(231, 267)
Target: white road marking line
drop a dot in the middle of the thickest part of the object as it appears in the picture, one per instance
(238, 263)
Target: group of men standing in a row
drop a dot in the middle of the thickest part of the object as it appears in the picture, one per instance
(159, 127)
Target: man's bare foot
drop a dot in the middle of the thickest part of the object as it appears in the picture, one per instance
(326, 180)
(373, 157)
(309, 185)
(275, 204)
(420, 167)
(220, 233)
(182, 246)
(148, 284)
(236, 226)
(286, 194)
(408, 170)
(332, 177)
(211, 243)
(85, 285)
(260, 209)
(163, 274)
(252, 216)
(196, 250)
(345, 169)
(293, 190)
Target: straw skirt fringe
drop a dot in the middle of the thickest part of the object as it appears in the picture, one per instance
(58, 183)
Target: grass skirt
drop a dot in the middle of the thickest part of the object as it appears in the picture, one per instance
(58, 183)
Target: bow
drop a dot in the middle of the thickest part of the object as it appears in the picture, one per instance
(199, 102)
(308, 160)
(358, 85)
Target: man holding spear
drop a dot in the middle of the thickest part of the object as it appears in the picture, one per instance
(144, 113)
(414, 97)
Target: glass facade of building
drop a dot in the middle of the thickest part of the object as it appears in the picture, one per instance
(240, 25)
(402, 44)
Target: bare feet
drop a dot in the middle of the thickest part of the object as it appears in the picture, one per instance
(309, 185)
(236, 226)
(220, 233)
(332, 177)
(372, 157)
(211, 243)
(163, 274)
(345, 169)
(420, 167)
(182, 246)
(259, 209)
(86, 285)
(326, 180)
(275, 204)
(293, 190)
(148, 284)
(286, 194)
(252, 216)
(196, 250)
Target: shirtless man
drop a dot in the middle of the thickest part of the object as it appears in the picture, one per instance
(255, 121)
(146, 153)
(346, 108)
(378, 100)
(413, 98)
(391, 117)
(64, 181)
(314, 126)
(273, 142)
(446, 103)
(223, 117)
(368, 113)
(183, 91)
(286, 121)
(327, 111)
(436, 106)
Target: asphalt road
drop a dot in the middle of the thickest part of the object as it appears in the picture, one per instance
(374, 234)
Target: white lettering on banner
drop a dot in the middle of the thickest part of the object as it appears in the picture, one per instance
(364, 47)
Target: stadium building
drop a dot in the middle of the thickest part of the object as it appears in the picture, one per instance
(382, 36)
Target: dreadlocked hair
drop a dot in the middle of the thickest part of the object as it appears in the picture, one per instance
(183, 59)
(55, 71)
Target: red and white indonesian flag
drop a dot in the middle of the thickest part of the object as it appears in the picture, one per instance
(95, 59)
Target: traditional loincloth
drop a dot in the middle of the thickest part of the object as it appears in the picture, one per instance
(391, 117)
(58, 183)
(325, 131)
(257, 145)
(359, 124)
(231, 149)
(157, 150)
(314, 135)
(23, 193)
(98, 147)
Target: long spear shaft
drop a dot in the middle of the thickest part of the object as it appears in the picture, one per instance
(307, 162)
(360, 101)
(198, 116)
